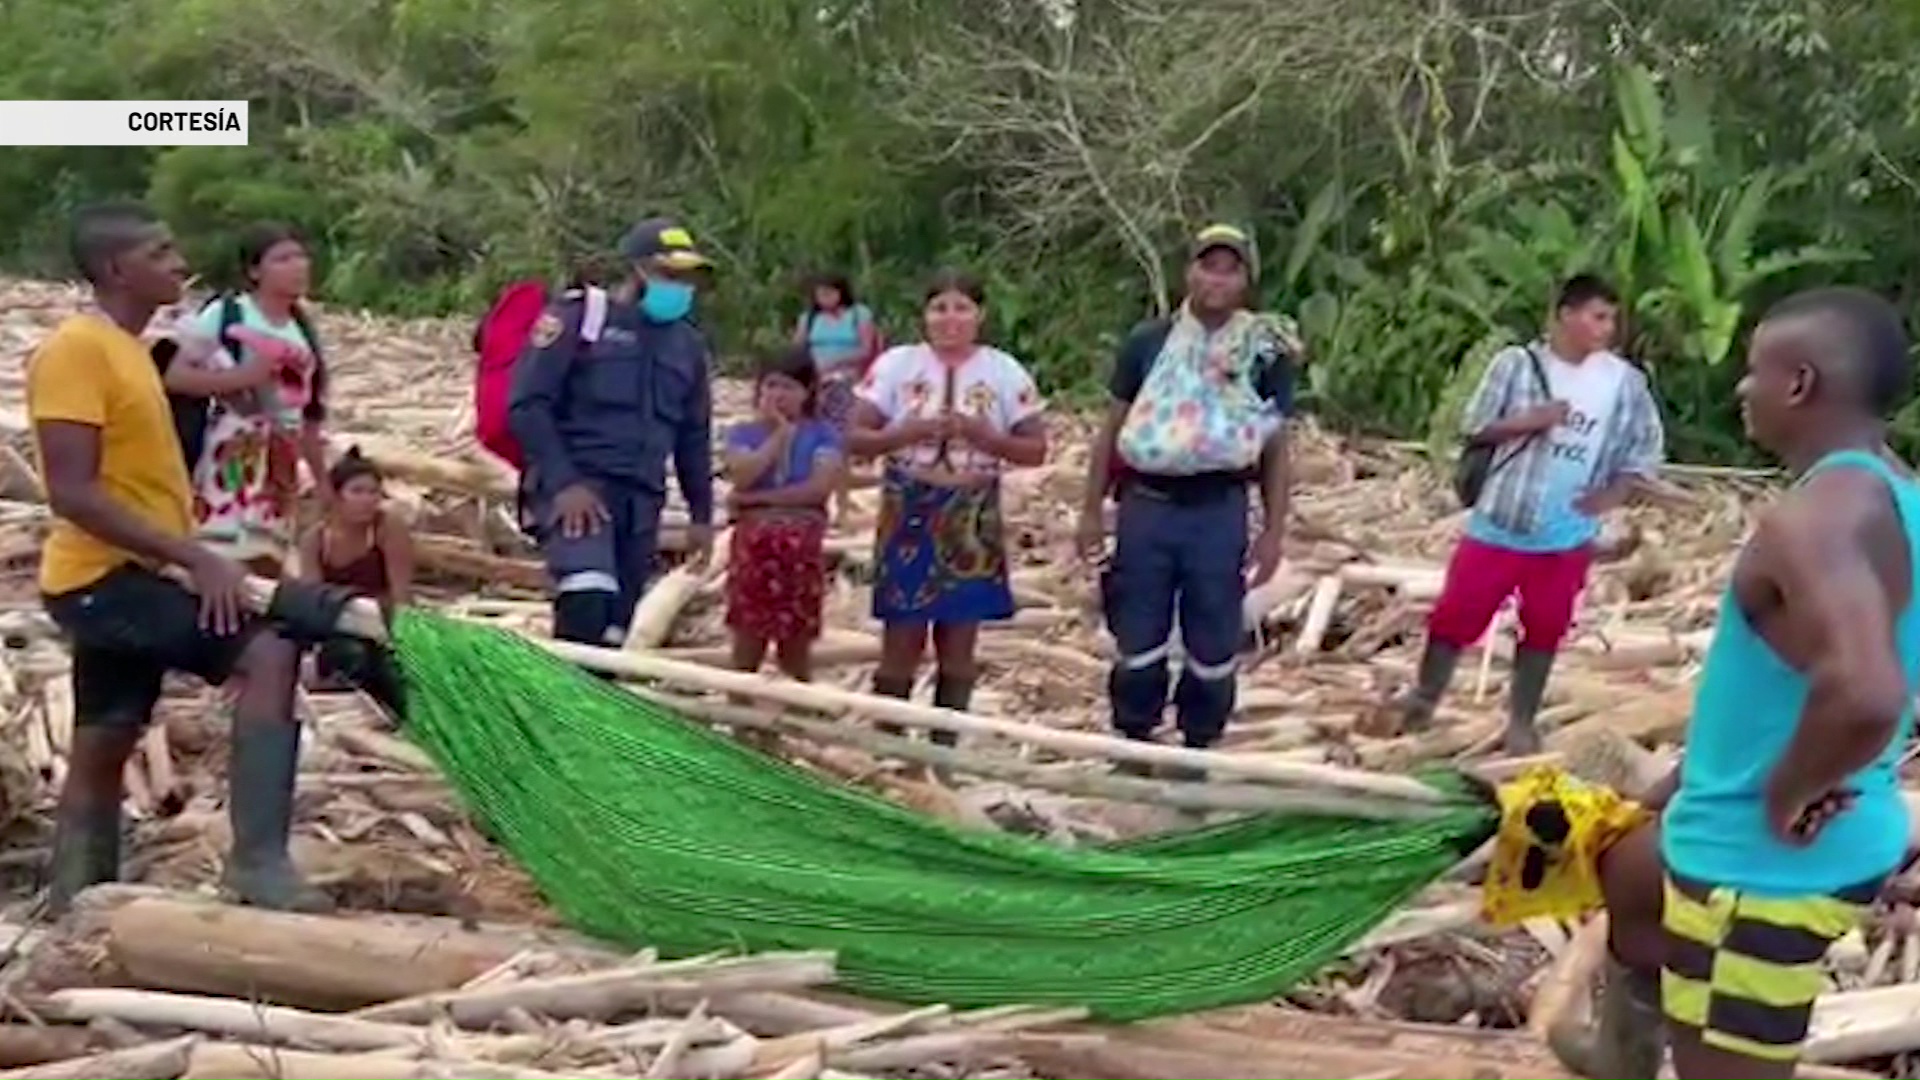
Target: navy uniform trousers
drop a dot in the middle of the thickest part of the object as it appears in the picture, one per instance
(1185, 557)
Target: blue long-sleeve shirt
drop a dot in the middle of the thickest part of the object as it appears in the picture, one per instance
(616, 409)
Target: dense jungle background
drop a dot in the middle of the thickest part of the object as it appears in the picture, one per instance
(1419, 171)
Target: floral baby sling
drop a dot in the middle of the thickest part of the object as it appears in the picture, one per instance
(1199, 409)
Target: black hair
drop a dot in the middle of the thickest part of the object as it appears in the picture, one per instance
(105, 231)
(1868, 341)
(351, 466)
(262, 237)
(1582, 289)
(952, 280)
(839, 283)
(256, 240)
(794, 362)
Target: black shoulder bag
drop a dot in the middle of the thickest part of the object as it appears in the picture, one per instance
(1478, 461)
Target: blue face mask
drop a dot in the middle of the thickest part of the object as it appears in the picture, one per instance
(666, 301)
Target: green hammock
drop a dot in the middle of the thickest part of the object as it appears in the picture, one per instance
(648, 829)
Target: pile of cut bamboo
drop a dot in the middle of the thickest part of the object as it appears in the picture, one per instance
(1336, 634)
(240, 992)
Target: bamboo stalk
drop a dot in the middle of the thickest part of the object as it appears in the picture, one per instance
(362, 618)
(152, 1061)
(245, 1019)
(601, 993)
(1203, 795)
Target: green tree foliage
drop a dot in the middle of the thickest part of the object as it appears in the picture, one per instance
(1419, 172)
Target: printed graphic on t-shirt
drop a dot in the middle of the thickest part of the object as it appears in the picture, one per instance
(910, 382)
(1591, 390)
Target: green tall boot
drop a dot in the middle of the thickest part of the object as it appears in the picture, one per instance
(1626, 1040)
(1526, 688)
(260, 778)
(86, 852)
(1416, 707)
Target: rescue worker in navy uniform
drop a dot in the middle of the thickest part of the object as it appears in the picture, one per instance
(1198, 416)
(598, 420)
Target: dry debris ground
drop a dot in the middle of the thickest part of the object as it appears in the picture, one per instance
(463, 973)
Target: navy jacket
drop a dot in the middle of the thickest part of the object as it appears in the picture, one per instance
(615, 410)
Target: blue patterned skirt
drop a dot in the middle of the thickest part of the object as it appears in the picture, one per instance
(941, 554)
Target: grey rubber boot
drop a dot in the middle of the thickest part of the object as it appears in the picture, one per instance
(1416, 707)
(886, 686)
(1526, 689)
(260, 778)
(1626, 1040)
(86, 852)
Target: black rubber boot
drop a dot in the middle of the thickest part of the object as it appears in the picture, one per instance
(888, 686)
(1416, 707)
(950, 692)
(86, 852)
(307, 612)
(1626, 1039)
(1526, 689)
(260, 778)
(584, 617)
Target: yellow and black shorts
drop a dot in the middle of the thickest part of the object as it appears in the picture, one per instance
(1744, 970)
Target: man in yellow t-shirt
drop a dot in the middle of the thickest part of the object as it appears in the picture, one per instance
(113, 469)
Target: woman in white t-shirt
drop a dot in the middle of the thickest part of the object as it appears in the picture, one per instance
(947, 414)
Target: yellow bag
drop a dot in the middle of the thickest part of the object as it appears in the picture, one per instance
(1546, 856)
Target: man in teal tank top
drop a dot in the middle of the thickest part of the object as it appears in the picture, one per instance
(1785, 815)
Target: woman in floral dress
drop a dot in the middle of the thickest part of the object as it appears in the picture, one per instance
(264, 388)
(948, 414)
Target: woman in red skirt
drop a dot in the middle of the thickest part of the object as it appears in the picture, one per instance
(784, 465)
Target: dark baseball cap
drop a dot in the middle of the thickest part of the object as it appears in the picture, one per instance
(1226, 238)
(663, 240)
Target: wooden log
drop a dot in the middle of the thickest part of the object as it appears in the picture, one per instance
(1412, 924)
(807, 1066)
(1562, 997)
(770, 1051)
(660, 608)
(1320, 608)
(601, 994)
(1282, 1043)
(1855, 1025)
(1285, 1043)
(154, 1061)
(677, 1044)
(158, 756)
(922, 1050)
(243, 1061)
(174, 941)
(488, 478)
(37, 1044)
(186, 942)
(444, 556)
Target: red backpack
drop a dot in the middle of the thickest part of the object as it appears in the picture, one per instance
(501, 340)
